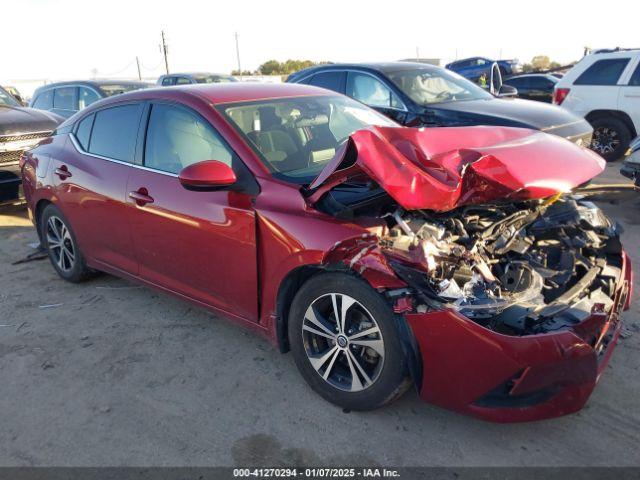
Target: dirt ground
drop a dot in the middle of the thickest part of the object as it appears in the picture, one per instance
(111, 373)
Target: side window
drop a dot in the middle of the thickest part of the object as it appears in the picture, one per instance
(83, 131)
(521, 82)
(44, 101)
(329, 80)
(182, 81)
(86, 97)
(63, 98)
(635, 78)
(115, 131)
(539, 82)
(177, 138)
(371, 91)
(603, 72)
(168, 81)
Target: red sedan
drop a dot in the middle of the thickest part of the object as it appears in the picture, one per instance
(456, 259)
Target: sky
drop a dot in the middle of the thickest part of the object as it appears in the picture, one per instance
(73, 39)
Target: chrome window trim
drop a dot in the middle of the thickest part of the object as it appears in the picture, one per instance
(77, 146)
(382, 80)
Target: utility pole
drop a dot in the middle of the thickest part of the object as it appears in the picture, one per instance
(417, 54)
(138, 64)
(164, 52)
(238, 56)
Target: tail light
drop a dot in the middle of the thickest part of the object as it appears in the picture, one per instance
(559, 94)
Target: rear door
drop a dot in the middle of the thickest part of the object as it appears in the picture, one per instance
(597, 87)
(91, 183)
(198, 244)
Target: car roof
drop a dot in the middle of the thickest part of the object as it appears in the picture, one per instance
(92, 83)
(217, 93)
(195, 74)
(531, 75)
(381, 67)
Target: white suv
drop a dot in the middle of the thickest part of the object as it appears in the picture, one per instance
(604, 88)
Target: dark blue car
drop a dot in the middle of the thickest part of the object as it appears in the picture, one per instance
(419, 95)
(473, 68)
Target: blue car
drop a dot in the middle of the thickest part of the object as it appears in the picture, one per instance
(473, 68)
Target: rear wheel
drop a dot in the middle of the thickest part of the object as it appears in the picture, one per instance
(61, 245)
(611, 137)
(344, 342)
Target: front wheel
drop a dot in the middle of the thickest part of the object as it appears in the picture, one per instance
(345, 343)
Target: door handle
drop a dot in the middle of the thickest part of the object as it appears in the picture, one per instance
(141, 197)
(63, 172)
(632, 95)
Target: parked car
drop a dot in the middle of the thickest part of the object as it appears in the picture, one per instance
(533, 86)
(67, 98)
(604, 88)
(631, 165)
(375, 253)
(13, 91)
(188, 78)
(20, 128)
(473, 68)
(419, 95)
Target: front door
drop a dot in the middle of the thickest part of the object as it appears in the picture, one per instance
(198, 244)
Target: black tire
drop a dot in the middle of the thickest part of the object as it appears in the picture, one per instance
(610, 128)
(72, 266)
(389, 379)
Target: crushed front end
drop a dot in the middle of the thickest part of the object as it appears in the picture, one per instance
(510, 280)
(516, 307)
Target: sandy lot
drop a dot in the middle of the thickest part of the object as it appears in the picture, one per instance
(111, 373)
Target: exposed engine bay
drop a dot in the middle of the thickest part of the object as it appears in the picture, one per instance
(516, 268)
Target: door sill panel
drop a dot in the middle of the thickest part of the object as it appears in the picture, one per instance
(250, 325)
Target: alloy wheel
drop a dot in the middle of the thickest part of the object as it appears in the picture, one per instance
(605, 140)
(60, 244)
(343, 342)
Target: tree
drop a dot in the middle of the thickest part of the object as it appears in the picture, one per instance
(270, 67)
(540, 62)
(274, 67)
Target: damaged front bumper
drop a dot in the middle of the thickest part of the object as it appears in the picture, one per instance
(471, 369)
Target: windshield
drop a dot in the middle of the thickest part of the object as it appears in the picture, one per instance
(427, 86)
(214, 79)
(118, 88)
(297, 137)
(6, 99)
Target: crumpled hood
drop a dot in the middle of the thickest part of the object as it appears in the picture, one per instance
(443, 168)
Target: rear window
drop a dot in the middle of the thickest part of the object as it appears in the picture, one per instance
(635, 78)
(329, 80)
(84, 131)
(63, 98)
(603, 72)
(44, 100)
(115, 131)
(117, 88)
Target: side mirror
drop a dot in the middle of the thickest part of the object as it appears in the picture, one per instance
(207, 175)
(507, 91)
